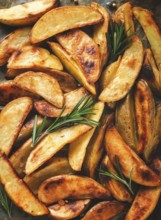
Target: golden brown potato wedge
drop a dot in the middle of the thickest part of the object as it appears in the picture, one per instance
(150, 149)
(84, 51)
(144, 203)
(150, 72)
(19, 157)
(68, 210)
(53, 22)
(109, 73)
(58, 166)
(18, 191)
(124, 14)
(77, 148)
(35, 58)
(95, 147)
(117, 189)
(45, 150)
(72, 67)
(126, 74)
(145, 114)
(129, 160)
(151, 30)
(125, 120)
(99, 33)
(70, 187)
(104, 210)
(27, 13)
(43, 85)
(70, 100)
(65, 80)
(9, 91)
(12, 42)
(11, 119)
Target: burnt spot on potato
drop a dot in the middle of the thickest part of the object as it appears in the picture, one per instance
(87, 65)
(147, 72)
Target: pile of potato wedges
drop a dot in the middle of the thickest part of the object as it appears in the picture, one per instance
(54, 57)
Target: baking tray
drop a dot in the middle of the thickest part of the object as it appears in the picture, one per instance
(153, 5)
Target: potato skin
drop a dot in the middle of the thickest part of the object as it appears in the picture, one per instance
(71, 187)
(144, 203)
(104, 210)
(26, 14)
(69, 209)
(116, 147)
(145, 114)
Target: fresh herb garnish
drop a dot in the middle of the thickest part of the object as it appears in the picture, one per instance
(120, 177)
(77, 116)
(118, 40)
(5, 202)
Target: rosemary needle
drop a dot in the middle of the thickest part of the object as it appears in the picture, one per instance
(76, 116)
(120, 177)
(117, 39)
(5, 202)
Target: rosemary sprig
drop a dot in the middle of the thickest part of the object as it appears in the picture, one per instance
(77, 116)
(118, 40)
(5, 202)
(120, 177)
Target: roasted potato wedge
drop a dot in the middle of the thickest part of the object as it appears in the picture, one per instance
(126, 74)
(95, 147)
(72, 67)
(84, 51)
(144, 203)
(125, 120)
(43, 85)
(70, 100)
(104, 210)
(65, 80)
(58, 166)
(150, 72)
(78, 147)
(45, 150)
(99, 33)
(52, 189)
(9, 91)
(33, 57)
(18, 191)
(129, 160)
(11, 119)
(151, 30)
(145, 114)
(27, 13)
(117, 189)
(53, 22)
(124, 14)
(18, 159)
(12, 42)
(108, 73)
(68, 210)
(150, 149)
